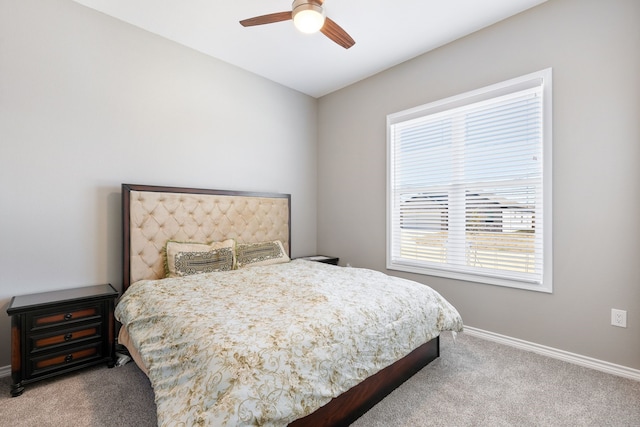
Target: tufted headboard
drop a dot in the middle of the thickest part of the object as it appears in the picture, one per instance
(152, 215)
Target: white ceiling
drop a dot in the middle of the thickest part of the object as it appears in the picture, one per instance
(386, 33)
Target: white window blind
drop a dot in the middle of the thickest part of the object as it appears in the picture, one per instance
(469, 186)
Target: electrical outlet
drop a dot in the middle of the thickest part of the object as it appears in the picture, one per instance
(619, 318)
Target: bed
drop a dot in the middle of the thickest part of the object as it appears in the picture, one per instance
(219, 346)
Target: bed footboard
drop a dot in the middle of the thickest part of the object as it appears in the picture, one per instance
(352, 404)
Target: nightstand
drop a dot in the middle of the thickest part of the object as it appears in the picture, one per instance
(322, 258)
(53, 333)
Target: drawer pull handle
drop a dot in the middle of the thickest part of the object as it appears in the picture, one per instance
(68, 336)
(69, 358)
(68, 316)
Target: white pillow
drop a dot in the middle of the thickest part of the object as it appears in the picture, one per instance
(265, 253)
(186, 258)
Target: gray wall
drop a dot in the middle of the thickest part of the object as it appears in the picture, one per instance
(594, 49)
(88, 102)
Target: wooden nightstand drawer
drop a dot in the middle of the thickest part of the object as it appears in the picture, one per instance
(63, 359)
(57, 332)
(63, 316)
(43, 342)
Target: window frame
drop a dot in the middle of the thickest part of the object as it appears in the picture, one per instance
(541, 78)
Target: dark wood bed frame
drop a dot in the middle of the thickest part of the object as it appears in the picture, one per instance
(350, 405)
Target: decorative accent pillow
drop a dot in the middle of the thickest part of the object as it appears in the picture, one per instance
(265, 253)
(184, 258)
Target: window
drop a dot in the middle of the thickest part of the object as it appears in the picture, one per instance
(469, 186)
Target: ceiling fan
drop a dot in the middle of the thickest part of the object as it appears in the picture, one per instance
(308, 16)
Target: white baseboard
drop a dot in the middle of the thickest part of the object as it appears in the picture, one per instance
(5, 371)
(576, 359)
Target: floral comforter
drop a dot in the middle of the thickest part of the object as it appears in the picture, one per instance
(266, 345)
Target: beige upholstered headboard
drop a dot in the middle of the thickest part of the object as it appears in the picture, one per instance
(152, 215)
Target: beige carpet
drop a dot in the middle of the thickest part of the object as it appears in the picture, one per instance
(473, 383)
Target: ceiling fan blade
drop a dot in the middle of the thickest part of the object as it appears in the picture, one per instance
(337, 34)
(266, 19)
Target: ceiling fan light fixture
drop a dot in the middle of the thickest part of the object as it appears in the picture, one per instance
(308, 17)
